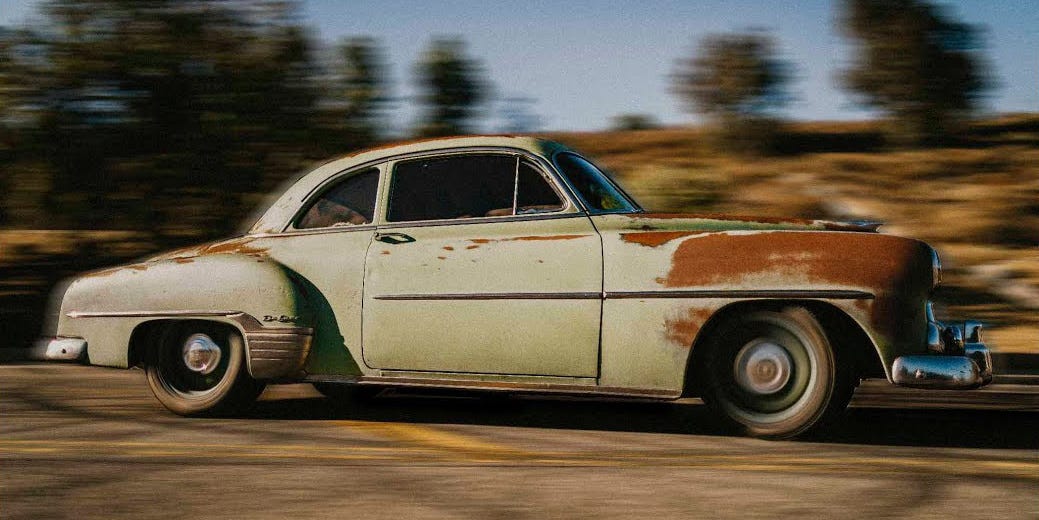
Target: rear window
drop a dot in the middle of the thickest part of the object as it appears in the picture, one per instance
(349, 202)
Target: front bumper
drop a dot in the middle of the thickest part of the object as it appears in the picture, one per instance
(959, 360)
(59, 348)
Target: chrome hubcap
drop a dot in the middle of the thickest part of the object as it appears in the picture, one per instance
(762, 367)
(201, 354)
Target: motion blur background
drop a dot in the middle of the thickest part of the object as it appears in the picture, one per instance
(129, 127)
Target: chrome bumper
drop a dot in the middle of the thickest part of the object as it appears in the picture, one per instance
(59, 348)
(960, 361)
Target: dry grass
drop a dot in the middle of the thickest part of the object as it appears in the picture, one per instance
(978, 202)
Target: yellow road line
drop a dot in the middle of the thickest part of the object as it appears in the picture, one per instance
(441, 447)
(433, 438)
(194, 445)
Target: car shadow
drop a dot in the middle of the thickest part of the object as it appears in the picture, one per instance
(959, 428)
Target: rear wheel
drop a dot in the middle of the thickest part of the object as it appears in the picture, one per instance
(198, 368)
(774, 374)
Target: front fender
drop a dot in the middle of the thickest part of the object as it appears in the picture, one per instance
(255, 294)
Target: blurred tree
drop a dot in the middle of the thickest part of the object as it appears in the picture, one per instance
(519, 116)
(359, 90)
(914, 63)
(625, 122)
(737, 82)
(163, 116)
(453, 88)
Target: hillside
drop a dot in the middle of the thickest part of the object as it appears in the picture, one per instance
(976, 202)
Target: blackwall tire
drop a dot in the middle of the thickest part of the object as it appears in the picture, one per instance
(182, 380)
(774, 374)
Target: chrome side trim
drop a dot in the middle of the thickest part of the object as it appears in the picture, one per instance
(148, 314)
(504, 386)
(494, 296)
(780, 293)
(622, 295)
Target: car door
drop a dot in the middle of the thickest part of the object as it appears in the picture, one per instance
(325, 246)
(482, 266)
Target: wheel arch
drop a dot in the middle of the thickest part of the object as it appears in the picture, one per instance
(145, 336)
(852, 342)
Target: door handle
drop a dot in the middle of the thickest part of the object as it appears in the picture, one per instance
(394, 238)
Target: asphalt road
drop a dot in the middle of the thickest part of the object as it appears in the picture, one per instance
(84, 442)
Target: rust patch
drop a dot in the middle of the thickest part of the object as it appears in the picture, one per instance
(682, 331)
(232, 246)
(474, 246)
(183, 260)
(385, 252)
(548, 237)
(240, 246)
(524, 238)
(448, 248)
(101, 273)
(654, 239)
(441, 258)
(859, 260)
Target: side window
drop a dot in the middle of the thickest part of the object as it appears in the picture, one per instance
(597, 191)
(349, 202)
(467, 186)
(534, 193)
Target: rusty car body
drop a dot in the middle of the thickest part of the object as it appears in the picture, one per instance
(512, 264)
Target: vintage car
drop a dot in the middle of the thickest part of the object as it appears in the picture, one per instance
(513, 264)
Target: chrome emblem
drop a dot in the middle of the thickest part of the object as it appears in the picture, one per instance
(282, 319)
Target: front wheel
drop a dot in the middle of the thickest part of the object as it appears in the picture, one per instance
(774, 374)
(198, 368)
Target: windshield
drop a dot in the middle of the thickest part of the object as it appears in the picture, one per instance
(599, 193)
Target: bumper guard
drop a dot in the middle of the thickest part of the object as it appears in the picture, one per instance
(960, 360)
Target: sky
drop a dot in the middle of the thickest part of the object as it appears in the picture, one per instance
(583, 62)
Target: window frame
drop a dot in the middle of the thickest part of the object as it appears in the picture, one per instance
(329, 184)
(537, 163)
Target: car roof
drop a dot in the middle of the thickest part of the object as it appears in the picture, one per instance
(286, 205)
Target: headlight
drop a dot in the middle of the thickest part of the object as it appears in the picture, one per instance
(936, 269)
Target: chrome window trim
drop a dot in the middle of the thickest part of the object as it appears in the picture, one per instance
(327, 184)
(571, 202)
(543, 167)
(291, 232)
